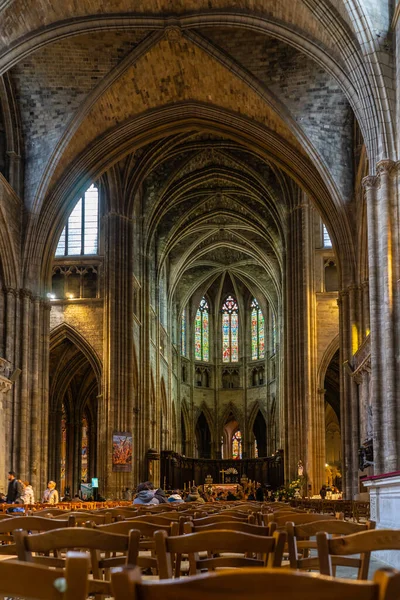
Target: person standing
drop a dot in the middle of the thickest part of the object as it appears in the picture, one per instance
(50, 495)
(259, 493)
(15, 490)
(29, 497)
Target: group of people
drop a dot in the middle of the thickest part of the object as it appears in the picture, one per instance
(146, 493)
(21, 492)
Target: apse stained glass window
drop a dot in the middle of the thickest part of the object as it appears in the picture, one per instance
(202, 332)
(257, 331)
(63, 450)
(230, 330)
(255, 449)
(183, 333)
(326, 237)
(84, 450)
(80, 235)
(237, 446)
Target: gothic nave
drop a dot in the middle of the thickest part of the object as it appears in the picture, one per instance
(199, 247)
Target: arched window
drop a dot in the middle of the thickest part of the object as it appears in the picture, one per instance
(63, 450)
(183, 333)
(85, 450)
(257, 331)
(237, 445)
(327, 242)
(80, 235)
(201, 332)
(273, 323)
(230, 330)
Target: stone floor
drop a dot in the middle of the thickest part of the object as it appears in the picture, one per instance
(349, 573)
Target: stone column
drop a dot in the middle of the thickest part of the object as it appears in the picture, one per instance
(382, 193)
(304, 412)
(116, 410)
(5, 387)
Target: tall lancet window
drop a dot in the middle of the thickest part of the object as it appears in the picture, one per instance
(183, 333)
(202, 332)
(80, 235)
(257, 331)
(230, 330)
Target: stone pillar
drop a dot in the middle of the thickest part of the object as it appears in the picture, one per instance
(304, 414)
(116, 406)
(5, 387)
(383, 255)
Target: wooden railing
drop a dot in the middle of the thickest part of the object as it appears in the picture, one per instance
(351, 509)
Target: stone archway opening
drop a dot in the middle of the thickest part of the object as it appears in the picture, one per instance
(72, 418)
(333, 440)
(203, 437)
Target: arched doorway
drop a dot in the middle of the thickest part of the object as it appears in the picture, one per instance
(73, 415)
(232, 440)
(333, 442)
(260, 435)
(203, 437)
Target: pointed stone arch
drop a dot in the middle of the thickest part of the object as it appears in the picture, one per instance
(66, 331)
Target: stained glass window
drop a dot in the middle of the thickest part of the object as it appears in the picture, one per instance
(84, 450)
(80, 235)
(202, 332)
(237, 446)
(230, 330)
(255, 449)
(63, 450)
(183, 333)
(257, 331)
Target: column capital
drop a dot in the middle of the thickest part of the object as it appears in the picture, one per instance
(5, 368)
(5, 384)
(385, 166)
(370, 182)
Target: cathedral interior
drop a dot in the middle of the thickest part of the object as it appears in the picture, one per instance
(199, 238)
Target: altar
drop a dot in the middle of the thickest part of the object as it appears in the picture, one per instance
(222, 487)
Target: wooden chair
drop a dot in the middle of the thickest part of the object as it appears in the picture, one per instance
(214, 542)
(298, 540)
(31, 548)
(190, 527)
(23, 580)
(357, 543)
(147, 542)
(37, 524)
(297, 519)
(53, 512)
(82, 517)
(252, 583)
(221, 517)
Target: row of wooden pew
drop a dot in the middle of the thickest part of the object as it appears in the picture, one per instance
(177, 544)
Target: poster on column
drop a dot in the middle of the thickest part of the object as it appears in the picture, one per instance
(122, 451)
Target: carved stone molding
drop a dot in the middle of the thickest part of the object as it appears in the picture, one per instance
(385, 166)
(5, 368)
(5, 385)
(370, 181)
(173, 33)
